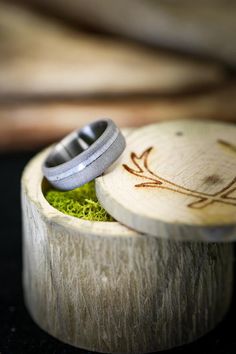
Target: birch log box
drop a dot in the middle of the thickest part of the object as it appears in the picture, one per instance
(104, 287)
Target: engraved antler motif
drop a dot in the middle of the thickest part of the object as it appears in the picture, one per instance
(142, 170)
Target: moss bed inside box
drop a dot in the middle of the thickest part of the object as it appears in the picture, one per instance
(81, 202)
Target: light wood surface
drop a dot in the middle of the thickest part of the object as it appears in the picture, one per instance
(203, 27)
(54, 79)
(28, 125)
(42, 57)
(103, 287)
(175, 180)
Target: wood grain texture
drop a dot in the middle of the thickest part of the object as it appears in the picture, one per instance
(175, 180)
(204, 27)
(42, 58)
(103, 287)
(27, 125)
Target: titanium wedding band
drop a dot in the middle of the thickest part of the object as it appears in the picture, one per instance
(84, 154)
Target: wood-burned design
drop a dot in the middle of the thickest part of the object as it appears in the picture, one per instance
(154, 180)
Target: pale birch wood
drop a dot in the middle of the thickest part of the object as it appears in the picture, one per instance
(103, 287)
(175, 180)
(41, 57)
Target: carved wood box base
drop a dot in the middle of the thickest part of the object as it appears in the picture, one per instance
(102, 287)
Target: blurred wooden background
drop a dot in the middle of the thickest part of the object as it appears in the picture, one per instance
(65, 63)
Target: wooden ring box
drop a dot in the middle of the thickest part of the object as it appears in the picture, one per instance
(104, 287)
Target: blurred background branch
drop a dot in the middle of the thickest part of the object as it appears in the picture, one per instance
(64, 63)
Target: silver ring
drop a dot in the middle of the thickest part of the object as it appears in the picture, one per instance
(83, 155)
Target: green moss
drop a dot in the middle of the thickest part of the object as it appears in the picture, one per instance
(81, 202)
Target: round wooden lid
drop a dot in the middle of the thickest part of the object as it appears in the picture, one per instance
(175, 180)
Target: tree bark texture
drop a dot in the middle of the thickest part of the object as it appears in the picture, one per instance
(104, 287)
